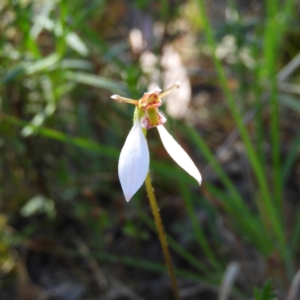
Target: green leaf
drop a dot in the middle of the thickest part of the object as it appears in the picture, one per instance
(75, 42)
(266, 293)
(30, 68)
(97, 81)
(38, 204)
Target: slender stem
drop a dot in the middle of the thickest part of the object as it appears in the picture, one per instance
(161, 234)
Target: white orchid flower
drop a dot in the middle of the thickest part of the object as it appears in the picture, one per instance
(134, 158)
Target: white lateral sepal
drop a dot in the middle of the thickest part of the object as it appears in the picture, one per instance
(134, 161)
(178, 154)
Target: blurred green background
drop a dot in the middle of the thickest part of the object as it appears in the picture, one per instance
(66, 231)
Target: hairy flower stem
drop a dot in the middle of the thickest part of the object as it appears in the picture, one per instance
(161, 234)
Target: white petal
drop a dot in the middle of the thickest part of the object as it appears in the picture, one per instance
(134, 161)
(178, 154)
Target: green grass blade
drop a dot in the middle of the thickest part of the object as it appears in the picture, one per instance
(272, 213)
(180, 250)
(97, 81)
(235, 204)
(200, 237)
(291, 157)
(30, 68)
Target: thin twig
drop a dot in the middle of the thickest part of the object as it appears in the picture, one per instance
(228, 279)
(289, 88)
(294, 289)
(124, 289)
(92, 263)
